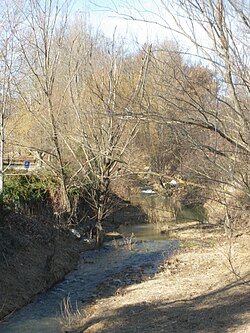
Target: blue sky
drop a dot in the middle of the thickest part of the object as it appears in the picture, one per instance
(102, 17)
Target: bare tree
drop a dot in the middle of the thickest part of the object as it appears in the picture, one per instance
(40, 40)
(105, 128)
(224, 27)
(7, 65)
(212, 100)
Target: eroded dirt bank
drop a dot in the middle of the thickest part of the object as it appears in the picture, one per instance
(203, 288)
(33, 257)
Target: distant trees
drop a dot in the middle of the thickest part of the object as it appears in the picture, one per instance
(100, 112)
(206, 98)
(219, 32)
(75, 97)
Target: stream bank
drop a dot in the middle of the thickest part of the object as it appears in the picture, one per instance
(96, 268)
(205, 288)
(34, 256)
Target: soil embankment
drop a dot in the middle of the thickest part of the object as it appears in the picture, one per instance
(203, 288)
(33, 256)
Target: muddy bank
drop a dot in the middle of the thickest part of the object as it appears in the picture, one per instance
(33, 257)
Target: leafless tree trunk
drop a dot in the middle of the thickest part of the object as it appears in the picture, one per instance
(105, 130)
(41, 39)
(7, 49)
(217, 32)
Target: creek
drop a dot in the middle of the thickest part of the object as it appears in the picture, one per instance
(162, 212)
(94, 268)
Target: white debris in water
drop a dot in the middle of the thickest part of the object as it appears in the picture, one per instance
(148, 191)
(76, 233)
(86, 240)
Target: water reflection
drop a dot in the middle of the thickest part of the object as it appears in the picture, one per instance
(143, 232)
(162, 209)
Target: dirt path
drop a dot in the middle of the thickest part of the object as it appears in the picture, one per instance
(197, 290)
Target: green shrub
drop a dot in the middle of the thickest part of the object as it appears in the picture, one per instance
(25, 190)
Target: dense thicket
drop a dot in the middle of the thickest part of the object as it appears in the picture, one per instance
(93, 113)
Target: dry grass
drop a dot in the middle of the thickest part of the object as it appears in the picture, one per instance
(195, 291)
(71, 317)
(126, 242)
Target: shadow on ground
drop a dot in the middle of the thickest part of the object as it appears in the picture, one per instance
(222, 310)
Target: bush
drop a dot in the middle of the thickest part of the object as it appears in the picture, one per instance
(23, 193)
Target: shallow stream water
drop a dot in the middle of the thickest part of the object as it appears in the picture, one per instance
(100, 265)
(96, 266)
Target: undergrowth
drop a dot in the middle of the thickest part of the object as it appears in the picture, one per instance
(27, 193)
(126, 242)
